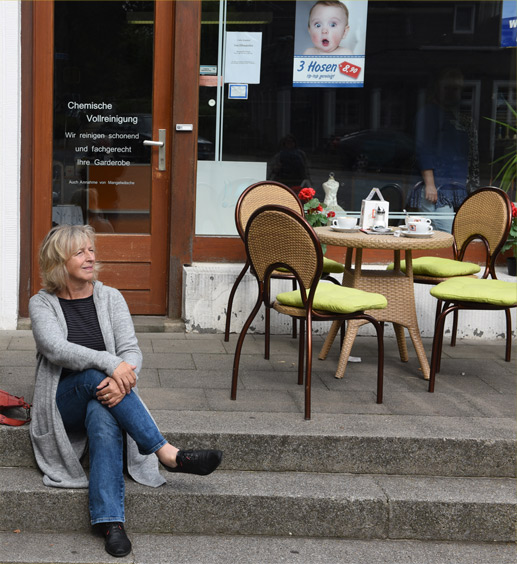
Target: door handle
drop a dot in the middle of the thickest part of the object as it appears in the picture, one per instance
(161, 147)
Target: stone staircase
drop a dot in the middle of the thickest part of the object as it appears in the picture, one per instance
(371, 479)
(426, 483)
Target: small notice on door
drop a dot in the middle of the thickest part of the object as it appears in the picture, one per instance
(243, 57)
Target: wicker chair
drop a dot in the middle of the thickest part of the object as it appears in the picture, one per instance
(486, 214)
(471, 222)
(395, 196)
(275, 237)
(255, 196)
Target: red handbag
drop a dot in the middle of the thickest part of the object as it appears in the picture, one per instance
(8, 401)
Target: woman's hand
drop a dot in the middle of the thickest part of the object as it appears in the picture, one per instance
(109, 393)
(125, 377)
(431, 193)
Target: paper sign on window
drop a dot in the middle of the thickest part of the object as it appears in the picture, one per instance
(330, 44)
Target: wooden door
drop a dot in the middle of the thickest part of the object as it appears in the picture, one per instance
(103, 86)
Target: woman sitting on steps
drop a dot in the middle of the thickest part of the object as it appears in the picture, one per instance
(87, 364)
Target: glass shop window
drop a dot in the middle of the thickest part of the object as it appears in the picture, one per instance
(103, 72)
(433, 76)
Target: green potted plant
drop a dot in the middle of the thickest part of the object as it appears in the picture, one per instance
(511, 243)
(507, 176)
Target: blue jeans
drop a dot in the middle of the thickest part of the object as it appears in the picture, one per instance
(441, 224)
(81, 410)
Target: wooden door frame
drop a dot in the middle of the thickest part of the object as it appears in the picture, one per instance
(26, 156)
(185, 109)
(36, 136)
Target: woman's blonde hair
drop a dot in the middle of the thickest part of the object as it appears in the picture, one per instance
(59, 245)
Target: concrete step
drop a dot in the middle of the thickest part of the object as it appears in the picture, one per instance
(280, 504)
(83, 548)
(370, 444)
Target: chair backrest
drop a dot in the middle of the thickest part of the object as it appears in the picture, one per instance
(278, 236)
(261, 194)
(393, 194)
(413, 196)
(485, 214)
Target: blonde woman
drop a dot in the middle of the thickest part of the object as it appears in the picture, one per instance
(88, 360)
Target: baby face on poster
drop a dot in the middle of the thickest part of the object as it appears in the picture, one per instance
(328, 26)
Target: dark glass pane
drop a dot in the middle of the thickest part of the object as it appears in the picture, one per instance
(102, 114)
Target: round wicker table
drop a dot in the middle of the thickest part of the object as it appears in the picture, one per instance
(396, 285)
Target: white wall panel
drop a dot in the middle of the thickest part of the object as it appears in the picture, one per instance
(10, 109)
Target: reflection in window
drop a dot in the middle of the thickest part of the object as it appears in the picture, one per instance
(365, 136)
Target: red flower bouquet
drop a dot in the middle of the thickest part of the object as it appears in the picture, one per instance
(314, 209)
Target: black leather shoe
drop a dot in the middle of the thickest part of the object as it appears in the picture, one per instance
(117, 543)
(200, 462)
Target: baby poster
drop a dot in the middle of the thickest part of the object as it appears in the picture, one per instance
(330, 43)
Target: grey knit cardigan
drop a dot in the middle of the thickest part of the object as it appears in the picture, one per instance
(58, 453)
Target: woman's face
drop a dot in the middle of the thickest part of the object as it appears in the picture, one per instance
(80, 265)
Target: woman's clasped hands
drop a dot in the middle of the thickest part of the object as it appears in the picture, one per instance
(113, 388)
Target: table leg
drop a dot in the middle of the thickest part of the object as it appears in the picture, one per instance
(350, 335)
(334, 328)
(331, 335)
(401, 310)
(401, 342)
(414, 333)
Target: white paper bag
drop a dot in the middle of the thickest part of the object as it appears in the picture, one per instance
(374, 212)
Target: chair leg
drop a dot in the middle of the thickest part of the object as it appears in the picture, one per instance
(295, 285)
(508, 354)
(238, 348)
(439, 359)
(342, 334)
(454, 328)
(301, 351)
(230, 302)
(379, 328)
(330, 278)
(437, 345)
(308, 366)
(267, 337)
(445, 306)
(439, 304)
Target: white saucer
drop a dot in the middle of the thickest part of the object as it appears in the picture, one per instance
(417, 235)
(344, 230)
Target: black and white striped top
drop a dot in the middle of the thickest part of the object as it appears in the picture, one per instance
(83, 325)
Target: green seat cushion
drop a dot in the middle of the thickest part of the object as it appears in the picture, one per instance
(329, 267)
(488, 291)
(332, 266)
(438, 267)
(337, 299)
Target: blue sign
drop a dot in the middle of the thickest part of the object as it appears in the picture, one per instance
(509, 24)
(238, 91)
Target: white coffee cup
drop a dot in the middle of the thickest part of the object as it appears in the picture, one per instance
(344, 222)
(416, 219)
(420, 227)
